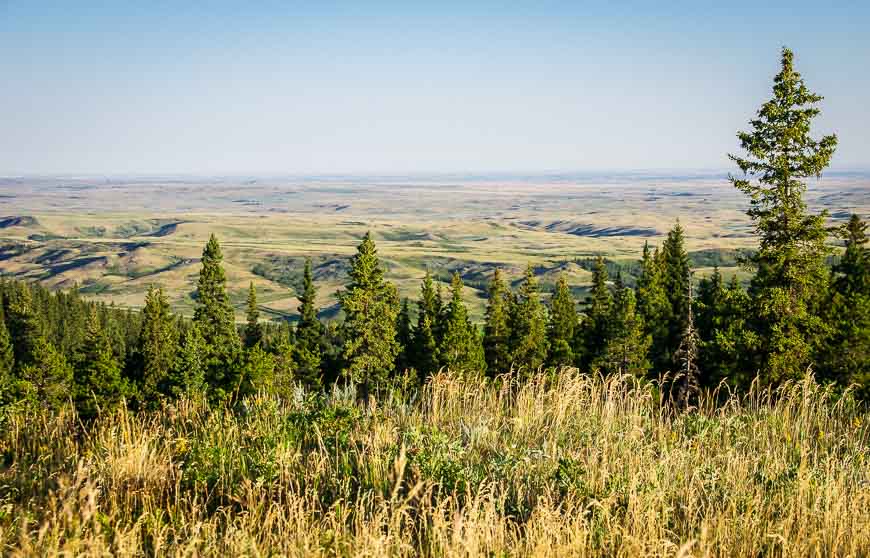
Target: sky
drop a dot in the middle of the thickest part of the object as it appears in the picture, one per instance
(319, 87)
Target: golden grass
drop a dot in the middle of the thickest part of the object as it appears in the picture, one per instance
(554, 466)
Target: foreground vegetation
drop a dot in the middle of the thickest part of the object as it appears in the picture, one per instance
(556, 465)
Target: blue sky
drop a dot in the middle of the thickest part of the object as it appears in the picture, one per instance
(263, 87)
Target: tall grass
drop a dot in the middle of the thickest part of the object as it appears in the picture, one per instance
(555, 466)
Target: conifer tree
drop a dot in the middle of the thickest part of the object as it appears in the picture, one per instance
(461, 349)
(529, 326)
(43, 375)
(626, 345)
(98, 375)
(308, 352)
(563, 324)
(216, 320)
(790, 261)
(687, 356)
(675, 279)
(157, 345)
(284, 364)
(370, 306)
(425, 342)
(187, 376)
(654, 307)
(597, 326)
(7, 360)
(404, 334)
(497, 334)
(845, 354)
(253, 328)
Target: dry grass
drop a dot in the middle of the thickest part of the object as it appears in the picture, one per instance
(570, 465)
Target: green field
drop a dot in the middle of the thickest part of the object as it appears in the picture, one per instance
(116, 237)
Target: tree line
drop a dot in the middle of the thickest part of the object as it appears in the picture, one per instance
(797, 314)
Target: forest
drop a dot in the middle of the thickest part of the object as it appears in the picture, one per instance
(403, 427)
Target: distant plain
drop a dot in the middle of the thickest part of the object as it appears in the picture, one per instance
(116, 236)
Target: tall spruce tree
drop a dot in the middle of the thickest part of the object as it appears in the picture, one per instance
(158, 343)
(844, 357)
(461, 349)
(187, 376)
(308, 353)
(676, 270)
(217, 324)
(370, 306)
(404, 334)
(97, 373)
(43, 375)
(626, 345)
(253, 328)
(791, 274)
(597, 325)
(654, 306)
(497, 333)
(562, 326)
(425, 355)
(7, 361)
(529, 326)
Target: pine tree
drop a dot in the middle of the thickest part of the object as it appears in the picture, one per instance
(258, 372)
(157, 345)
(216, 320)
(309, 335)
(687, 356)
(529, 326)
(676, 271)
(563, 324)
(7, 360)
(284, 364)
(187, 376)
(791, 272)
(654, 307)
(425, 341)
(253, 328)
(43, 375)
(626, 346)
(97, 373)
(404, 334)
(497, 334)
(461, 350)
(844, 357)
(597, 327)
(370, 306)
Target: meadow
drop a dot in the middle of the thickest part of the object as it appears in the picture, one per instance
(555, 465)
(116, 237)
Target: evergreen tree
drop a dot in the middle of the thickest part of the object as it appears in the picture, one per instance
(284, 374)
(216, 320)
(654, 307)
(258, 372)
(309, 335)
(7, 361)
(187, 376)
(675, 279)
(253, 328)
(497, 334)
(404, 334)
(425, 342)
(791, 257)
(461, 349)
(845, 355)
(597, 326)
(563, 324)
(687, 356)
(626, 346)
(529, 326)
(157, 345)
(370, 306)
(97, 373)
